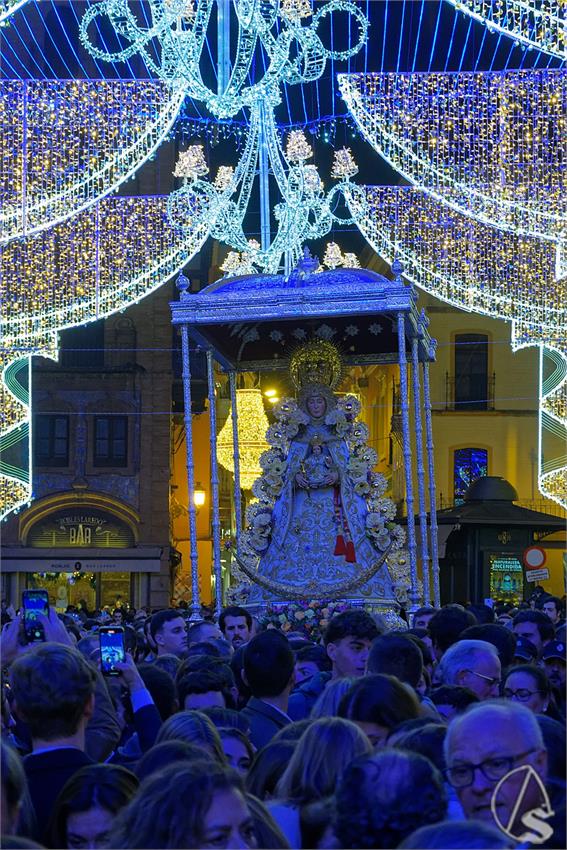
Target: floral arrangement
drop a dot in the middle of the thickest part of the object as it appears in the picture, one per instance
(310, 618)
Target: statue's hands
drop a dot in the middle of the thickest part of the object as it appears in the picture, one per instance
(331, 478)
(301, 481)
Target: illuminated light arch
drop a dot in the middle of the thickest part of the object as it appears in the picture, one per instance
(67, 143)
(483, 270)
(535, 23)
(486, 144)
(88, 267)
(8, 7)
(42, 508)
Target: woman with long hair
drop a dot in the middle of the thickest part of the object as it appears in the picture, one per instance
(87, 806)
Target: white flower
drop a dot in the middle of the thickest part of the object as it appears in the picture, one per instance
(383, 540)
(378, 483)
(374, 520)
(362, 487)
(291, 429)
(369, 455)
(350, 404)
(275, 435)
(360, 432)
(357, 467)
(387, 508)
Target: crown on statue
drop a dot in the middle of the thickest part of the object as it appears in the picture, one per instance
(316, 362)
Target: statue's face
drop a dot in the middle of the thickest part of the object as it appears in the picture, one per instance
(316, 406)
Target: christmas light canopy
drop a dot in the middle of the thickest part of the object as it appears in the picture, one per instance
(252, 427)
(487, 144)
(536, 24)
(67, 143)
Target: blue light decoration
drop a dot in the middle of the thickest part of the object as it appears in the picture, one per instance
(538, 24)
(8, 7)
(85, 268)
(67, 143)
(486, 144)
(285, 51)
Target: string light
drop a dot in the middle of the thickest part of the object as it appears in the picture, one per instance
(333, 256)
(8, 7)
(553, 424)
(85, 268)
(66, 143)
(482, 269)
(534, 23)
(295, 10)
(462, 261)
(191, 163)
(252, 427)
(298, 149)
(344, 164)
(487, 144)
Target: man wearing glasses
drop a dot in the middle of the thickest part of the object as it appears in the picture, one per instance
(482, 746)
(472, 664)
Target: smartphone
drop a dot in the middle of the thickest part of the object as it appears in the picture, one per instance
(112, 649)
(34, 602)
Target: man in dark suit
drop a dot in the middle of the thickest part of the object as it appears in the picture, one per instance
(269, 673)
(53, 687)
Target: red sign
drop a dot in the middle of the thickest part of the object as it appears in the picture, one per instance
(534, 558)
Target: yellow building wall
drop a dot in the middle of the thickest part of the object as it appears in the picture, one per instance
(179, 505)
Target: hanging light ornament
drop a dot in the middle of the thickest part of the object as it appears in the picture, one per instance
(489, 271)
(294, 53)
(333, 256)
(252, 427)
(533, 23)
(344, 164)
(487, 144)
(85, 268)
(67, 143)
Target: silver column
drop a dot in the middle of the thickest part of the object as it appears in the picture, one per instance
(194, 555)
(406, 439)
(420, 470)
(431, 473)
(216, 529)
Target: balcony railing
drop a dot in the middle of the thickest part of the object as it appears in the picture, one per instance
(472, 393)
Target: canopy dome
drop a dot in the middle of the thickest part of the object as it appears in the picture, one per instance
(491, 488)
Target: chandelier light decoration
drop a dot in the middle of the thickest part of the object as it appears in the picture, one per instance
(486, 144)
(67, 143)
(289, 38)
(252, 427)
(485, 270)
(536, 24)
(95, 263)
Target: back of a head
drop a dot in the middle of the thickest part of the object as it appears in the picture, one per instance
(195, 728)
(329, 699)
(446, 626)
(554, 738)
(227, 718)
(353, 622)
(267, 832)
(457, 835)
(396, 655)
(323, 751)
(171, 806)
(483, 613)
(427, 741)
(106, 786)
(168, 662)
(14, 787)
(161, 687)
(167, 753)
(384, 797)
(52, 684)
(268, 767)
(203, 648)
(379, 699)
(201, 682)
(292, 731)
(499, 636)
(268, 664)
(455, 696)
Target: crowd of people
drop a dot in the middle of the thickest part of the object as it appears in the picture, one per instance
(449, 733)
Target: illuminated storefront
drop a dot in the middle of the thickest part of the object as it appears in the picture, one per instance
(81, 548)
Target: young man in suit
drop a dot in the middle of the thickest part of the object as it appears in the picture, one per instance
(269, 673)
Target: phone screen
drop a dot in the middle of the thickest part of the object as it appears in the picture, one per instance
(111, 649)
(35, 602)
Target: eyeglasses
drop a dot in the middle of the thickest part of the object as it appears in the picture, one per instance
(462, 775)
(490, 679)
(522, 694)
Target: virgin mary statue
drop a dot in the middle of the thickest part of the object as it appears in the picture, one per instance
(321, 525)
